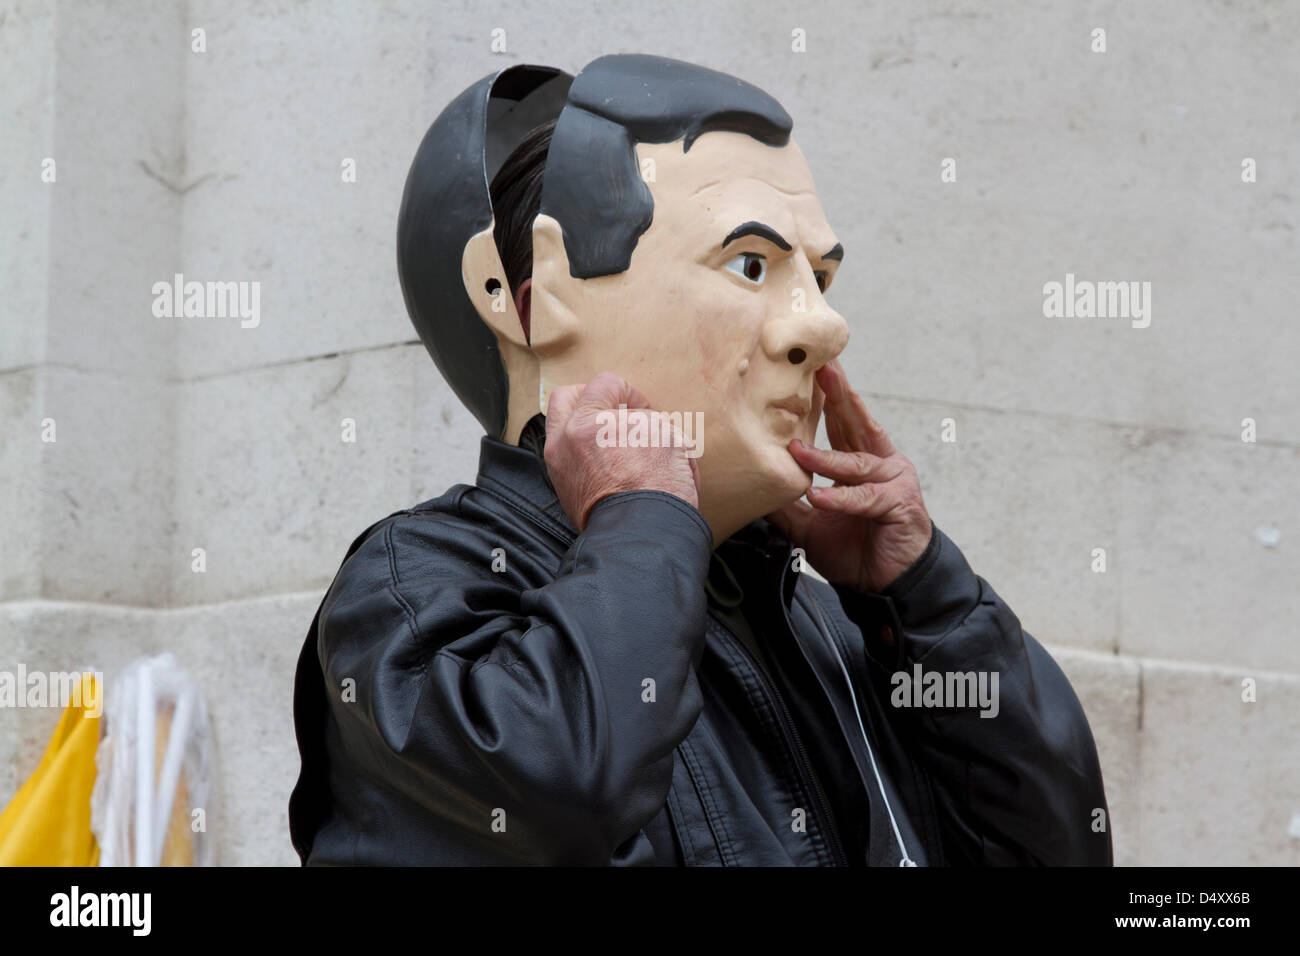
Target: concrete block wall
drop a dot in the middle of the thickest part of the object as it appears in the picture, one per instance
(1070, 434)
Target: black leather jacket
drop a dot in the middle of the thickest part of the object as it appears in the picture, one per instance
(451, 713)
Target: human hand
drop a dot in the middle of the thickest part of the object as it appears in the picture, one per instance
(872, 525)
(583, 472)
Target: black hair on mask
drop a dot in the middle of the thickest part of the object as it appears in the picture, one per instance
(488, 147)
(593, 185)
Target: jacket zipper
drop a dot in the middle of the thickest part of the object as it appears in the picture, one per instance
(791, 733)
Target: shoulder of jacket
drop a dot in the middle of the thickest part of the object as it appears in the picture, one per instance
(433, 523)
(412, 557)
(459, 536)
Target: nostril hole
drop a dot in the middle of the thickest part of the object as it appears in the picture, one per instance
(796, 356)
(492, 286)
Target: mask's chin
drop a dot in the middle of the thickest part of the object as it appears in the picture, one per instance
(787, 480)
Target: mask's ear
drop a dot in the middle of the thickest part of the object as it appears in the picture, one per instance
(556, 294)
(485, 284)
(557, 300)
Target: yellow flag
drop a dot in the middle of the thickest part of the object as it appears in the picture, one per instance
(48, 822)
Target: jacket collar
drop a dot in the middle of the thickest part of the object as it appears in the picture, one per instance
(518, 473)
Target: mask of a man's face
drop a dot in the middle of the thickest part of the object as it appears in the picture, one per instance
(680, 243)
(721, 312)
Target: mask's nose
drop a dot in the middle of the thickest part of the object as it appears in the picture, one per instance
(806, 339)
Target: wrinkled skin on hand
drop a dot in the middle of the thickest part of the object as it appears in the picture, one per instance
(867, 529)
(584, 473)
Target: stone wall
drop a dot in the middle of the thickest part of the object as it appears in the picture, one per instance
(1070, 434)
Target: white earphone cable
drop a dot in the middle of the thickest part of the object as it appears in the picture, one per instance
(821, 623)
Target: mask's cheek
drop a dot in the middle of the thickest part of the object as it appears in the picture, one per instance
(727, 341)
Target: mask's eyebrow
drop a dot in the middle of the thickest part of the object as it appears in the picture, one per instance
(837, 253)
(757, 229)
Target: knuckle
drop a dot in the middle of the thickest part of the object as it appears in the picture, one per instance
(606, 382)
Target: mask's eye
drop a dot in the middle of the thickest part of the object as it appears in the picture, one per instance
(822, 277)
(750, 265)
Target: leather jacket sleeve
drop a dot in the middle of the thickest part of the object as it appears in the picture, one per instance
(522, 718)
(1023, 787)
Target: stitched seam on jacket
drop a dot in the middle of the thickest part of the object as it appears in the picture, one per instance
(393, 588)
(840, 640)
(677, 819)
(754, 692)
(922, 784)
(767, 713)
(523, 507)
(712, 816)
(394, 584)
(727, 846)
(926, 823)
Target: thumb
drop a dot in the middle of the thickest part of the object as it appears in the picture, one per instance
(609, 390)
(560, 407)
